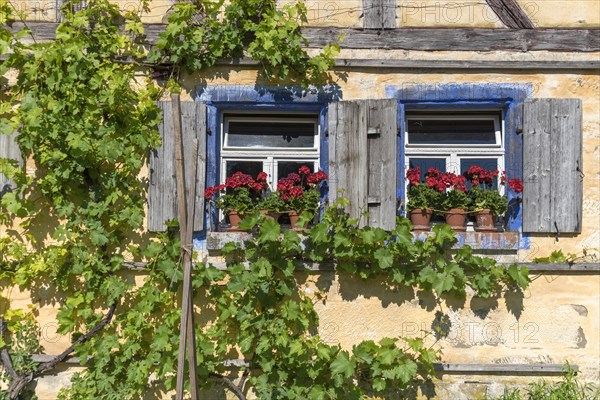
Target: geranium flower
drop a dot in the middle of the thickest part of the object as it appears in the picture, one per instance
(414, 175)
(516, 185)
(296, 191)
(304, 170)
(294, 177)
(261, 177)
(209, 192)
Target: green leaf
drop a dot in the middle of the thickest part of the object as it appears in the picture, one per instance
(343, 365)
(269, 231)
(519, 275)
(385, 258)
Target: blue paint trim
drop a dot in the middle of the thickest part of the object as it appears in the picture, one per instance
(400, 165)
(222, 98)
(505, 97)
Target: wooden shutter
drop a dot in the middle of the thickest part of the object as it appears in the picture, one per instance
(379, 14)
(162, 192)
(9, 149)
(552, 168)
(362, 158)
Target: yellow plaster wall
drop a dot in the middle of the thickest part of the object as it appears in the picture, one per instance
(348, 13)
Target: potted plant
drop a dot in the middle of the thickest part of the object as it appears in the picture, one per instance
(272, 205)
(421, 200)
(300, 192)
(488, 203)
(238, 196)
(454, 202)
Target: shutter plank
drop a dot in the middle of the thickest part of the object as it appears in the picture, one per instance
(348, 170)
(566, 159)
(381, 195)
(536, 166)
(372, 14)
(389, 14)
(193, 123)
(9, 148)
(362, 151)
(162, 192)
(552, 147)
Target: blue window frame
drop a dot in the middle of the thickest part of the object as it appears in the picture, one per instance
(222, 99)
(495, 97)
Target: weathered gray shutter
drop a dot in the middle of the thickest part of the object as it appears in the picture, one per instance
(9, 149)
(162, 192)
(379, 14)
(552, 168)
(362, 158)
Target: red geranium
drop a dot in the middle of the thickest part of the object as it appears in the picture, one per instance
(304, 170)
(516, 185)
(414, 175)
(261, 177)
(478, 175)
(316, 178)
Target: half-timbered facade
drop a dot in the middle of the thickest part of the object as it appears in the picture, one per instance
(520, 75)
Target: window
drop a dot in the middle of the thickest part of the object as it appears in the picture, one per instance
(454, 141)
(276, 143)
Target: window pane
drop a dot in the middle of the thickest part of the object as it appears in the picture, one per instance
(451, 131)
(426, 163)
(271, 134)
(248, 167)
(286, 167)
(487, 163)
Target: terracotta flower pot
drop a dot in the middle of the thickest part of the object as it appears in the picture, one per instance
(456, 217)
(234, 220)
(294, 215)
(272, 214)
(485, 221)
(420, 218)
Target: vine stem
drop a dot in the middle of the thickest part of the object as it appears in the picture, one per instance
(229, 383)
(19, 382)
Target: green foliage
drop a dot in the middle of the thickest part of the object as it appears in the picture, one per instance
(196, 37)
(272, 202)
(309, 202)
(455, 199)
(422, 196)
(568, 388)
(239, 200)
(491, 199)
(20, 338)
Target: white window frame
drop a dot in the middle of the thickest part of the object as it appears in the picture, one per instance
(498, 129)
(453, 154)
(269, 156)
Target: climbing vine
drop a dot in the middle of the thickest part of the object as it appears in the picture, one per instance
(85, 109)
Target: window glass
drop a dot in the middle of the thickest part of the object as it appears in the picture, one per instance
(252, 168)
(426, 163)
(451, 131)
(260, 134)
(487, 163)
(286, 167)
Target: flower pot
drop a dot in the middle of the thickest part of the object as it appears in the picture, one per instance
(420, 218)
(294, 215)
(456, 217)
(234, 220)
(272, 214)
(485, 221)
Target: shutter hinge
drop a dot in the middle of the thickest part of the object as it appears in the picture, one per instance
(373, 200)
(520, 116)
(374, 131)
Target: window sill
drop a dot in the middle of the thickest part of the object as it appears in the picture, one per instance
(477, 240)
(481, 240)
